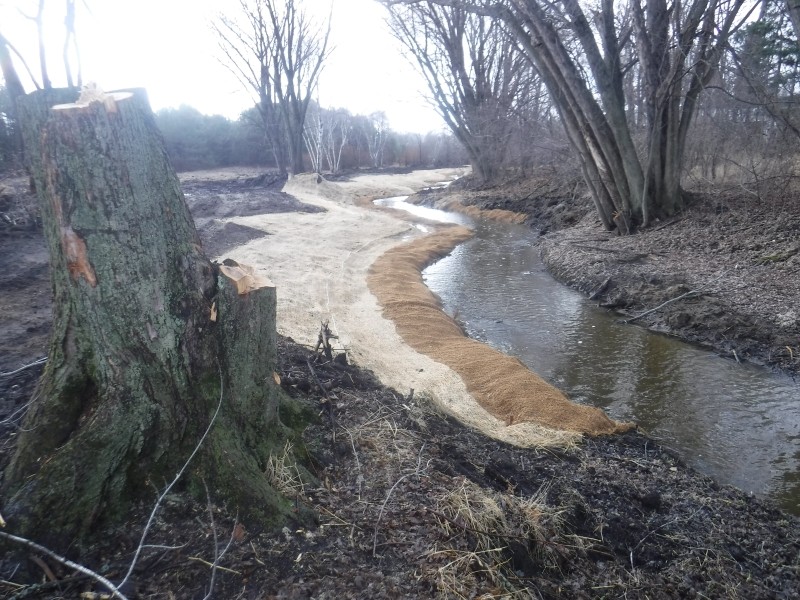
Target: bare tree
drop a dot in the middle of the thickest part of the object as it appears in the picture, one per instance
(277, 51)
(376, 133)
(338, 126)
(313, 135)
(478, 78)
(39, 20)
(326, 134)
(580, 59)
(247, 46)
(70, 43)
(300, 52)
(13, 83)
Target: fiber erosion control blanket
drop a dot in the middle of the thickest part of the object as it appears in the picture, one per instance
(320, 263)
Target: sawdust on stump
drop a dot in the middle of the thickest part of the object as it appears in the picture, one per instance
(501, 384)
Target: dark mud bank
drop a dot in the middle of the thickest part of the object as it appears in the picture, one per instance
(734, 263)
(617, 517)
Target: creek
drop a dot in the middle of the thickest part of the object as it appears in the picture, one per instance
(739, 423)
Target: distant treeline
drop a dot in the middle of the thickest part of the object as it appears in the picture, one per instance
(196, 141)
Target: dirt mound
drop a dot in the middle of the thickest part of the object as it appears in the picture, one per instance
(225, 199)
(500, 383)
(310, 184)
(541, 200)
(219, 236)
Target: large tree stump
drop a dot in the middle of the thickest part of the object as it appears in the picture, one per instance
(147, 336)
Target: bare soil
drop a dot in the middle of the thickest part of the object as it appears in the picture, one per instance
(408, 502)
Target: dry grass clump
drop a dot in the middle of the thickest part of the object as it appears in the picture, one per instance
(380, 431)
(488, 530)
(455, 579)
(283, 474)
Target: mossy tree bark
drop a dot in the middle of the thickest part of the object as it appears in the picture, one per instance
(148, 335)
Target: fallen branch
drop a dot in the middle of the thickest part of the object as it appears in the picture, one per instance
(316, 380)
(418, 472)
(596, 294)
(689, 294)
(203, 561)
(217, 554)
(45, 568)
(114, 590)
(667, 224)
(324, 340)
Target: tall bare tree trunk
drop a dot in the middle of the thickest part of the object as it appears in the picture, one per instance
(13, 86)
(793, 7)
(149, 337)
(13, 83)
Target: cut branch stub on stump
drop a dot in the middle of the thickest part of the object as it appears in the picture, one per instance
(146, 334)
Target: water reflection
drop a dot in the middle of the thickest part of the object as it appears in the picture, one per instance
(399, 203)
(739, 423)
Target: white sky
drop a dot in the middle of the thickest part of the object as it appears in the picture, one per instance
(167, 47)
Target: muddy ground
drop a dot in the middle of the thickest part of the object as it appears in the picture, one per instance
(409, 503)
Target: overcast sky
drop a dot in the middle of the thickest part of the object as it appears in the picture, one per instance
(167, 47)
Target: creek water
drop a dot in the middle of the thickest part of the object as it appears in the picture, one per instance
(739, 423)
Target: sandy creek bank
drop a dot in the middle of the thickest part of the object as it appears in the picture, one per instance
(408, 498)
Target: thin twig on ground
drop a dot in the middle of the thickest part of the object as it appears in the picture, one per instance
(317, 381)
(418, 471)
(216, 542)
(36, 363)
(360, 478)
(602, 288)
(203, 561)
(689, 294)
(114, 590)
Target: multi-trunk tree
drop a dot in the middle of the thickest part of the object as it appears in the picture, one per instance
(480, 83)
(326, 135)
(277, 50)
(582, 52)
